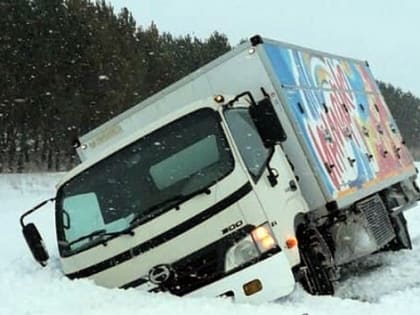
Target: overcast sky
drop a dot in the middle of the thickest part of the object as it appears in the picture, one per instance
(384, 32)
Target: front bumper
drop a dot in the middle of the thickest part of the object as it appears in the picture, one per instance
(274, 273)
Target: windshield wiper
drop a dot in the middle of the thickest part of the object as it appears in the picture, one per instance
(170, 203)
(205, 190)
(101, 233)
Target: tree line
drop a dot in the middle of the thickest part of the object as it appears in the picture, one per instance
(405, 107)
(66, 66)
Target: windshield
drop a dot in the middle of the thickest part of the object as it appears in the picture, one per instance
(142, 180)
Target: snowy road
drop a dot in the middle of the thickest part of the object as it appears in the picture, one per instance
(389, 283)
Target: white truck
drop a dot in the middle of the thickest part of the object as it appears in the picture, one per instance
(273, 164)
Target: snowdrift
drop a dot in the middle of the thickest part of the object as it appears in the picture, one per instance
(388, 283)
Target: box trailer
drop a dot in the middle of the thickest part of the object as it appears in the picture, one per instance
(271, 165)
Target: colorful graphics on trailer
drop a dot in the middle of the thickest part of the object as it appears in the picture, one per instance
(343, 119)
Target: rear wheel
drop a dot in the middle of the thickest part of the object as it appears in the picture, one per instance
(402, 239)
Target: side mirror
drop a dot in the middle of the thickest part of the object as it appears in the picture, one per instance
(35, 243)
(267, 122)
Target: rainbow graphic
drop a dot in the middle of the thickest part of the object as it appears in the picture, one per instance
(342, 117)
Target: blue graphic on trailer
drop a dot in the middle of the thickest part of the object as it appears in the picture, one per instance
(331, 100)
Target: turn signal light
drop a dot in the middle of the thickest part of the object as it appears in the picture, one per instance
(268, 242)
(260, 233)
(291, 242)
(262, 236)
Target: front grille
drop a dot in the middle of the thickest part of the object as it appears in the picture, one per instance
(377, 219)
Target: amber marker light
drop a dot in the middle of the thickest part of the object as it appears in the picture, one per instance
(251, 51)
(291, 242)
(252, 287)
(219, 99)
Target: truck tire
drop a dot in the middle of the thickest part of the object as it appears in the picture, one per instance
(314, 276)
(315, 279)
(402, 239)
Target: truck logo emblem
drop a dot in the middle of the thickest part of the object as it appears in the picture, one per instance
(160, 274)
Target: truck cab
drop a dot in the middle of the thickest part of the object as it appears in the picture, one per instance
(191, 205)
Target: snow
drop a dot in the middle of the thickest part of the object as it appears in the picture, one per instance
(388, 283)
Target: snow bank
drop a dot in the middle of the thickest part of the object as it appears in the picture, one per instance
(389, 283)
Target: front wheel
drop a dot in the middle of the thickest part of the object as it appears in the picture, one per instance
(314, 277)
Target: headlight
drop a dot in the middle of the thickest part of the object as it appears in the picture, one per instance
(252, 246)
(243, 251)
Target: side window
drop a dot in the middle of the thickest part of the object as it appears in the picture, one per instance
(88, 217)
(248, 141)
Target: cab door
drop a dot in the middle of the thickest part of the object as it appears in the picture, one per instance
(275, 185)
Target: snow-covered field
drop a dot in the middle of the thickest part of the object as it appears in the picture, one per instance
(388, 283)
